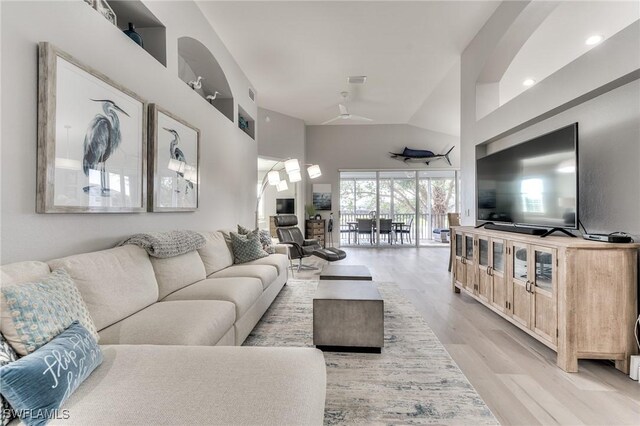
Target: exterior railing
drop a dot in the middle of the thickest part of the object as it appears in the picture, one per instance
(428, 222)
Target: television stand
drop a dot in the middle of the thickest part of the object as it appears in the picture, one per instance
(552, 230)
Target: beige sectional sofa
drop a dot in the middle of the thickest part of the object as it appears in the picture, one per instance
(163, 324)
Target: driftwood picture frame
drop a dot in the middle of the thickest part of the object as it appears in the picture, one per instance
(174, 163)
(92, 139)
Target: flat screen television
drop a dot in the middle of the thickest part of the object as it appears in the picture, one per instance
(534, 183)
(285, 205)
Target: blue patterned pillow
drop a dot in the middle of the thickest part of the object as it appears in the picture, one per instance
(38, 384)
(34, 313)
(247, 247)
(7, 355)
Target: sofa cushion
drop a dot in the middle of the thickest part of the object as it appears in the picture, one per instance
(179, 322)
(216, 254)
(36, 312)
(247, 247)
(43, 380)
(279, 261)
(20, 272)
(114, 283)
(208, 385)
(265, 273)
(242, 292)
(174, 273)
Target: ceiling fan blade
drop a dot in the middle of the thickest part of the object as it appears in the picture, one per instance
(332, 120)
(358, 117)
(343, 109)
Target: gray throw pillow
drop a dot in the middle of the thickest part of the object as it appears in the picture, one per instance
(247, 247)
(264, 235)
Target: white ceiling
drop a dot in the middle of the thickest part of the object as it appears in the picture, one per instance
(299, 54)
(561, 37)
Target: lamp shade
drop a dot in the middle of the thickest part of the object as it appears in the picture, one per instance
(273, 177)
(292, 165)
(295, 177)
(282, 186)
(191, 174)
(176, 165)
(314, 171)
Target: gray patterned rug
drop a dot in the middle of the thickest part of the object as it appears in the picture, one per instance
(413, 381)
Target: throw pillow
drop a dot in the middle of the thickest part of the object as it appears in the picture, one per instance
(267, 242)
(7, 355)
(37, 385)
(242, 230)
(263, 234)
(247, 247)
(34, 313)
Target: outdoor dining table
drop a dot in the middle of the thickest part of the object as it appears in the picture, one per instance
(397, 226)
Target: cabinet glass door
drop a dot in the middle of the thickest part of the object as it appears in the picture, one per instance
(484, 277)
(544, 315)
(468, 245)
(458, 245)
(520, 297)
(498, 282)
(544, 270)
(498, 256)
(520, 263)
(483, 252)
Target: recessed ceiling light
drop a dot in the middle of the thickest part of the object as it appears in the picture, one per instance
(594, 39)
(529, 82)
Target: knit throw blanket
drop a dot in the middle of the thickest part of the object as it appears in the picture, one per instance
(167, 244)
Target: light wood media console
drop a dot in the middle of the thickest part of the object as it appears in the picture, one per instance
(578, 297)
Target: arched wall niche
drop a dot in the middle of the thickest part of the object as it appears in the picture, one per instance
(195, 60)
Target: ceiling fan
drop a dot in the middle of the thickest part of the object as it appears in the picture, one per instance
(344, 113)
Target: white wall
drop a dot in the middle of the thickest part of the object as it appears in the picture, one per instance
(279, 138)
(600, 90)
(228, 156)
(367, 147)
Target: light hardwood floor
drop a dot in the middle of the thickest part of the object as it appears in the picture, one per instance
(514, 374)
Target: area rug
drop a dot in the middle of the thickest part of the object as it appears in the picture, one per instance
(413, 381)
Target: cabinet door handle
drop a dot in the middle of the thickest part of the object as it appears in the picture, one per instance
(526, 286)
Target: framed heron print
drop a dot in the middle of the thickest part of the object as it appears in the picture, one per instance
(92, 147)
(174, 158)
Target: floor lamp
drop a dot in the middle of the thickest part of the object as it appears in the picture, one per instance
(292, 168)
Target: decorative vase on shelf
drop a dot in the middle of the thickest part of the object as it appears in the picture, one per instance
(133, 35)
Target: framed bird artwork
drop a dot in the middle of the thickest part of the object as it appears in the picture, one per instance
(174, 159)
(92, 145)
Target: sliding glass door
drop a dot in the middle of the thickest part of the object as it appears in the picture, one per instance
(437, 193)
(358, 207)
(395, 208)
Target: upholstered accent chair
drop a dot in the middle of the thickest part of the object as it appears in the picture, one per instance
(299, 248)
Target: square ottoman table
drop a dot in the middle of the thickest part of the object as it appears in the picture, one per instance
(345, 272)
(348, 316)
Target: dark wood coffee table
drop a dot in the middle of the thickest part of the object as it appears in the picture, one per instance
(345, 272)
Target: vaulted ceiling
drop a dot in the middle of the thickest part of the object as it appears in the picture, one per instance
(299, 55)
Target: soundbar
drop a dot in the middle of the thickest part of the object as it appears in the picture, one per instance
(516, 229)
